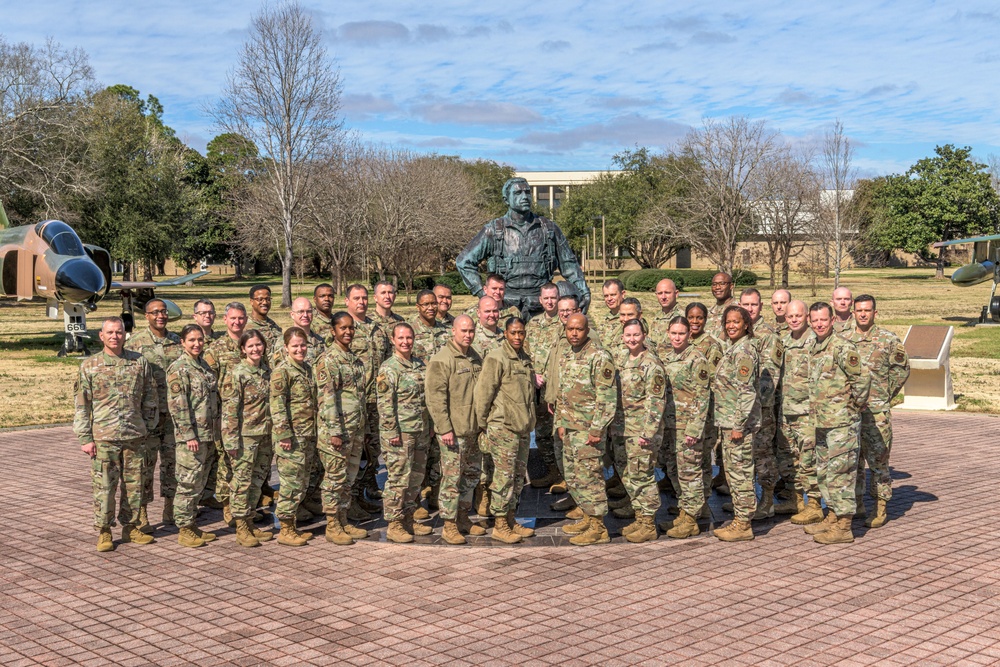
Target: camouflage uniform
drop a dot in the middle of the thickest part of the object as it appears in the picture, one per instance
(316, 347)
(372, 346)
(846, 327)
(340, 382)
(505, 405)
(193, 400)
(608, 328)
(116, 408)
(797, 428)
(713, 321)
(689, 393)
(271, 330)
(293, 417)
(838, 388)
(403, 414)
(658, 338)
(541, 335)
(769, 353)
(426, 341)
(448, 320)
(160, 353)
(485, 340)
(711, 347)
(246, 427)
(737, 408)
(321, 325)
(221, 356)
(387, 322)
(451, 379)
(581, 386)
(505, 313)
(885, 359)
(641, 403)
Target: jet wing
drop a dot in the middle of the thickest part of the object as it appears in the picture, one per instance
(171, 282)
(972, 239)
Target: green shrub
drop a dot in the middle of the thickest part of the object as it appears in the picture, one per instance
(645, 280)
(452, 279)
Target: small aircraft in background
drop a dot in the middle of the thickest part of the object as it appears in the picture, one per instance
(985, 266)
(48, 260)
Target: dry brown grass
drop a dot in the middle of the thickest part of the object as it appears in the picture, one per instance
(37, 386)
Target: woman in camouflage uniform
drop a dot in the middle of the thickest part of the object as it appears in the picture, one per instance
(246, 434)
(192, 399)
(293, 414)
(710, 346)
(688, 403)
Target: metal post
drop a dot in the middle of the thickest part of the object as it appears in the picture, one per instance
(604, 246)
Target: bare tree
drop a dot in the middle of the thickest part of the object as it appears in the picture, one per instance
(722, 168)
(993, 166)
(840, 175)
(284, 96)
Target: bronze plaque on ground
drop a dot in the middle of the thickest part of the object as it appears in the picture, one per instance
(924, 341)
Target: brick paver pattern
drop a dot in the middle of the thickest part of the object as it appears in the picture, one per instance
(924, 589)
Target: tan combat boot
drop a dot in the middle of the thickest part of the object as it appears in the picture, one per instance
(288, 535)
(550, 477)
(838, 533)
(791, 504)
(186, 537)
(630, 527)
(227, 515)
(765, 507)
(523, 531)
(483, 504)
(878, 517)
(738, 530)
(261, 535)
(684, 526)
(596, 533)
(450, 533)
(244, 534)
(559, 488)
(105, 541)
(415, 528)
(502, 532)
(579, 527)
(421, 514)
(168, 512)
(355, 532)
(823, 526)
(645, 530)
(202, 535)
(132, 534)
(575, 514)
(143, 523)
(397, 533)
(335, 532)
(812, 512)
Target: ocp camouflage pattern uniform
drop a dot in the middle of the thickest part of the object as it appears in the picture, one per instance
(658, 338)
(221, 356)
(846, 327)
(713, 321)
(506, 312)
(711, 347)
(340, 382)
(372, 346)
(885, 359)
(293, 405)
(246, 427)
(403, 414)
(386, 322)
(321, 325)
(316, 346)
(449, 387)
(505, 405)
(426, 341)
(193, 401)
(485, 340)
(797, 427)
(689, 397)
(737, 408)
(541, 335)
(641, 388)
(116, 408)
(609, 330)
(582, 389)
(838, 389)
(769, 353)
(272, 331)
(448, 320)
(160, 353)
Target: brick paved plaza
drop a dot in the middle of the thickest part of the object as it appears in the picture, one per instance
(924, 589)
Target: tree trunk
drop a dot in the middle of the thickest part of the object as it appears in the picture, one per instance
(286, 274)
(939, 273)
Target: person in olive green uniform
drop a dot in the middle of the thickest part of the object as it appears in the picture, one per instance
(406, 433)
(444, 299)
(505, 411)
(666, 295)
(246, 434)
(639, 424)
(737, 414)
(193, 400)
(160, 348)
(451, 379)
(293, 423)
(843, 315)
(722, 290)
(688, 401)
(203, 314)
(116, 408)
(340, 382)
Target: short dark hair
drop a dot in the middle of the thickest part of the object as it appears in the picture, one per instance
(425, 292)
(145, 308)
(632, 301)
(821, 305)
(292, 332)
(247, 335)
(355, 287)
(235, 305)
(512, 320)
(680, 319)
(188, 328)
(570, 297)
(614, 282)
(259, 287)
(400, 325)
(204, 302)
(696, 305)
(496, 278)
(387, 283)
(861, 298)
(751, 290)
(444, 285)
(633, 321)
(547, 286)
(339, 315)
(321, 286)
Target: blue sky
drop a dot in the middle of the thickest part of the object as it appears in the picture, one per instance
(558, 85)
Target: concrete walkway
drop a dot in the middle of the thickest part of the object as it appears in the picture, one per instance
(924, 589)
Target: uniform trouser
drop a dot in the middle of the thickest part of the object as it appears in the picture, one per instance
(212, 463)
(158, 444)
(223, 472)
(405, 464)
(432, 470)
(509, 453)
(764, 461)
(371, 451)
(667, 458)
(798, 432)
(251, 468)
(584, 473)
(543, 435)
(876, 443)
(340, 470)
(486, 467)
(295, 468)
(460, 467)
(315, 477)
(784, 456)
(737, 457)
(116, 463)
(192, 475)
(694, 473)
(636, 464)
(837, 466)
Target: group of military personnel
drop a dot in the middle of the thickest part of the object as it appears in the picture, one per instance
(797, 406)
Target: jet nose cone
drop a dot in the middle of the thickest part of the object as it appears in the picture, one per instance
(79, 280)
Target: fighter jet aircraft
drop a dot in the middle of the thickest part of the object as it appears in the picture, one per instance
(48, 260)
(985, 266)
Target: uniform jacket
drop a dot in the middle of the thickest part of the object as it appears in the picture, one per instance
(795, 373)
(658, 339)
(541, 335)
(271, 330)
(160, 353)
(583, 389)
(485, 340)
(193, 399)
(505, 394)
(293, 400)
(769, 352)
(371, 346)
(642, 389)
(340, 382)
(428, 340)
(689, 391)
(882, 355)
(116, 398)
(246, 406)
(450, 385)
(737, 400)
(838, 385)
(401, 404)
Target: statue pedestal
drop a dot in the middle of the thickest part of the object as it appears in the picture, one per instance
(929, 385)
